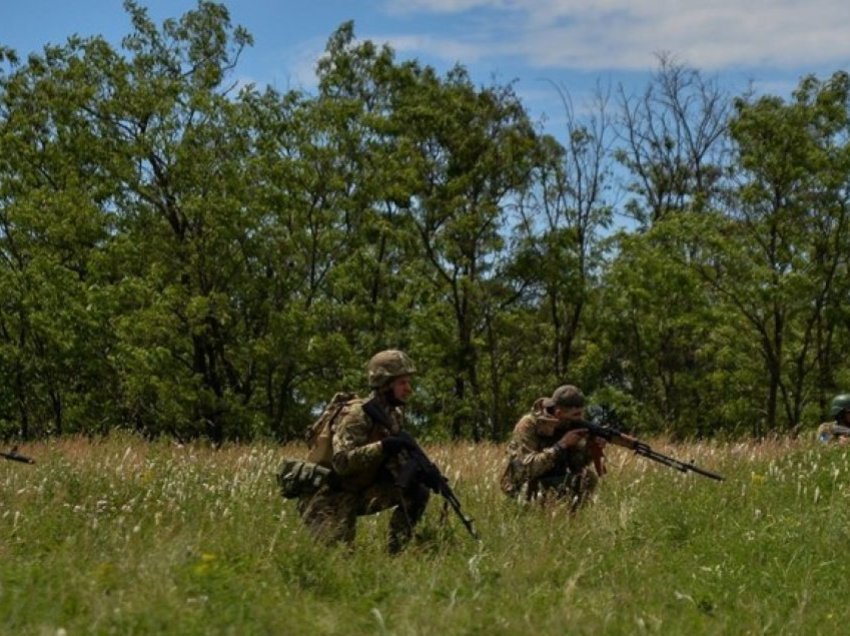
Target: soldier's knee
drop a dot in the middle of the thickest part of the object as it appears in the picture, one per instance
(419, 496)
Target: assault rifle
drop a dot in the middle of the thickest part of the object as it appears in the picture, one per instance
(596, 428)
(419, 468)
(15, 456)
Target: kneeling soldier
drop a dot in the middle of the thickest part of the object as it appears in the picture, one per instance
(368, 452)
(837, 429)
(549, 455)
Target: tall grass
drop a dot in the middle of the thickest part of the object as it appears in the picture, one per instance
(121, 536)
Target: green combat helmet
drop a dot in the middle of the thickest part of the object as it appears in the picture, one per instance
(386, 366)
(839, 403)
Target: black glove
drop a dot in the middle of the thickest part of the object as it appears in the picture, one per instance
(394, 444)
(411, 442)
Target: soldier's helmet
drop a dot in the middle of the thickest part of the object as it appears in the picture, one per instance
(839, 404)
(566, 396)
(386, 366)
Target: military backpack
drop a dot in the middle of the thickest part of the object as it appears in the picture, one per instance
(298, 478)
(301, 478)
(319, 434)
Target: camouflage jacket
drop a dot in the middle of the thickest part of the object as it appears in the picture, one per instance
(532, 455)
(358, 457)
(832, 431)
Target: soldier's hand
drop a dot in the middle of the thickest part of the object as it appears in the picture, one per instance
(571, 438)
(394, 444)
(407, 437)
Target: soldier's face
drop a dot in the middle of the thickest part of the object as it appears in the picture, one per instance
(401, 388)
(569, 414)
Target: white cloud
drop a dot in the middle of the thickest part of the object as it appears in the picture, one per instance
(442, 6)
(626, 34)
(298, 65)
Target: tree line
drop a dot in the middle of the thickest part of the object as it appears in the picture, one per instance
(185, 255)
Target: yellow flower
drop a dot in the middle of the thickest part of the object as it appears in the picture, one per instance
(201, 569)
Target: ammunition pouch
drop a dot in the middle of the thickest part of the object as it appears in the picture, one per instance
(298, 478)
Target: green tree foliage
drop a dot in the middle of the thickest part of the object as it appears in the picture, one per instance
(561, 217)
(672, 142)
(55, 223)
(778, 255)
(474, 154)
(185, 255)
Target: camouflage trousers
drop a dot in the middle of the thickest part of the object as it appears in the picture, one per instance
(573, 488)
(331, 514)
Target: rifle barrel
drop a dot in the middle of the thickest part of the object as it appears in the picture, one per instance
(17, 457)
(641, 448)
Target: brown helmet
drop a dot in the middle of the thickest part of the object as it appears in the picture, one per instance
(386, 366)
(566, 396)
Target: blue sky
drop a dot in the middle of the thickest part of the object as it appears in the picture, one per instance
(572, 43)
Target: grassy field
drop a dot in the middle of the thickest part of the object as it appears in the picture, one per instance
(120, 536)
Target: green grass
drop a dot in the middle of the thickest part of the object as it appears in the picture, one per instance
(119, 536)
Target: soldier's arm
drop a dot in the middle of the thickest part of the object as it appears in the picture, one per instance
(352, 451)
(525, 450)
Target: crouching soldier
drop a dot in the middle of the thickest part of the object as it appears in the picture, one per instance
(837, 429)
(549, 454)
(367, 450)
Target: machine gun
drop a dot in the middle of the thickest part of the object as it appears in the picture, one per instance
(597, 428)
(15, 456)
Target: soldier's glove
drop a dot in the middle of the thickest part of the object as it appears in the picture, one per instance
(571, 438)
(394, 444)
(408, 437)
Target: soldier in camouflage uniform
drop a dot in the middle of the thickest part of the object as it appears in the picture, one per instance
(838, 429)
(368, 453)
(549, 455)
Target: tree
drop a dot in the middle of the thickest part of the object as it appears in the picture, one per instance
(561, 217)
(180, 156)
(672, 142)
(474, 150)
(54, 228)
(777, 254)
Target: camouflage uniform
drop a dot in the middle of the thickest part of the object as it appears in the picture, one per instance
(365, 481)
(537, 468)
(831, 431)
(839, 426)
(825, 432)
